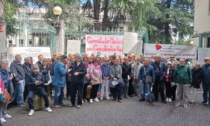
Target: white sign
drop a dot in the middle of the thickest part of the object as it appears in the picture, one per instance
(28, 52)
(139, 48)
(73, 46)
(104, 44)
(181, 51)
(202, 53)
(130, 42)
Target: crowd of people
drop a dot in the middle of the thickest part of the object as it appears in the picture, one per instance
(93, 78)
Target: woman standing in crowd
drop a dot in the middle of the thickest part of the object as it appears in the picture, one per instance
(196, 80)
(105, 68)
(86, 80)
(169, 82)
(6, 78)
(96, 79)
(116, 75)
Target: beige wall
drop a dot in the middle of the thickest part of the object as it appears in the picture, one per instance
(201, 18)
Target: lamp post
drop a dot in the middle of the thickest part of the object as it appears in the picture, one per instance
(57, 11)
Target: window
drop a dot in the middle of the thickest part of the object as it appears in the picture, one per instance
(208, 43)
(21, 43)
(10, 43)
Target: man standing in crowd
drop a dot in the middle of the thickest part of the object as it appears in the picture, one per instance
(206, 81)
(39, 62)
(126, 72)
(160, 73)
(59, 81)
(19, 81)
(147, 78)
(137, 68)
(131, 91)
(78, 73)
(183, 78)
(27, 66)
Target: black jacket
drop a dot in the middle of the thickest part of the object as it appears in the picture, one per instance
(160, 70)
(196, 77)
(126, 70)
(79, 79)
(17, 69)
(33, 78)
(28, 70)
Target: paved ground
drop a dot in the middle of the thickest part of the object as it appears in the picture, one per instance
(108, 113)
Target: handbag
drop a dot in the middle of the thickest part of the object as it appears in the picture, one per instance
(95, 82)
(148, 77)
(2, 97)
(7, 96)
(88, 91)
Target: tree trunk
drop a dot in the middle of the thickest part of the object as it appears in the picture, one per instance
(2, 2)
(167, 27)
(105, 18)
(96, 14)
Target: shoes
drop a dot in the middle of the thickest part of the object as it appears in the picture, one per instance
(96, 100)
(22, 104)
(62, 105)
(3, 120)
(7, 116)
(150, 101)
(79, 106)
(164, 102)
(125, 96)
(178, 104)
(114, 99)
(141, 100)
(119, 101)
(57, 106)
(204, 103)
(169, 100)
(107, 98)
(83, 102)
(31, 112)
(48, 109)
(101, 99)
(91, 100)
(185, 105)
(71, 105)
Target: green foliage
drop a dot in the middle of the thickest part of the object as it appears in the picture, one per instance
(10, 9)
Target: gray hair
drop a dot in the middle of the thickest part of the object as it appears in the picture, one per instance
(3, 61)
(78, 55)
(26, 59)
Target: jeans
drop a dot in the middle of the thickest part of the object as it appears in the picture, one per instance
(143, 90)
(41, 92)
(206, 92)
(149, 92)
(125, 87)
(20, 92)
(58, 97)
(182, 97)
(105, 84)
(76, 89)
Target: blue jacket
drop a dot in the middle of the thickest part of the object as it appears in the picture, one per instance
(160, 70)
(5, 77)
(146, 70)
(59, 78)
(105, 69)
(206, 74)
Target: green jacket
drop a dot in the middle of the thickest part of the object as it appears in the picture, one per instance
(183, 75)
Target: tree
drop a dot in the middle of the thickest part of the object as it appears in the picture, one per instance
(176, 17)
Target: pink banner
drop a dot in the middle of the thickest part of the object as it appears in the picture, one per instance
(105, 44)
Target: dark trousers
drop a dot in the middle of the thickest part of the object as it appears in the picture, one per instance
(61, 96)
(158, 87)
(76, 89)
(68, 88)
(131, 87)
(41, 92)
(94, 91)
(206, 92)
(117, 92)
(173, 93)
(26, 92)
(85, 90)
(168, 89)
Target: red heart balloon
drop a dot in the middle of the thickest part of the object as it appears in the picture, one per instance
(158, 47)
